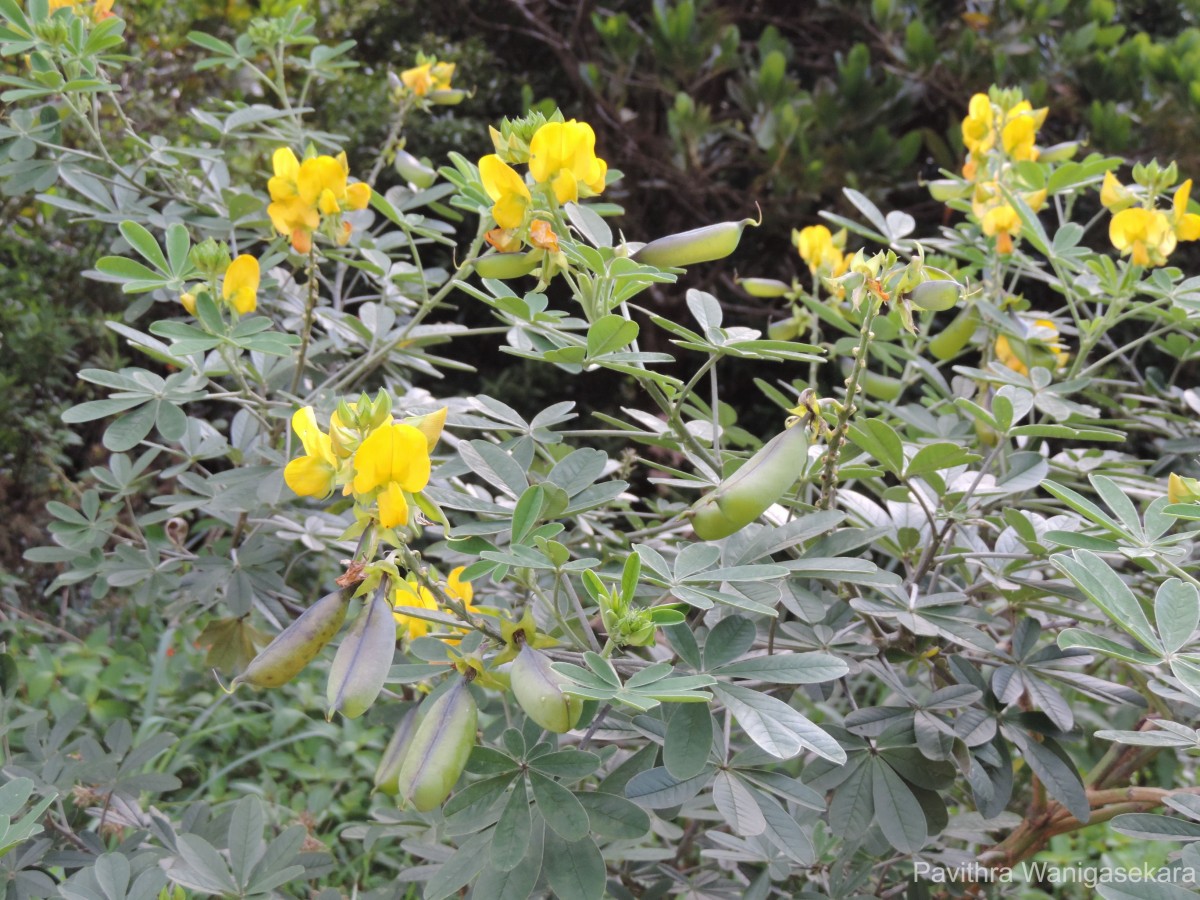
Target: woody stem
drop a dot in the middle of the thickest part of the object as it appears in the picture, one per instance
(306, 332)
(837, 440)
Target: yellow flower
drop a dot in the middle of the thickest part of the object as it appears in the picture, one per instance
(188, 299)
(411, 593)
(978, 128)
(393, 459)
(301, 192)
(1002, 223)
(1114, 196)
(821, 250)
(428, 77)
(510, 196)
(1183, 490)
(430, 425)
(563, 154)
(1186, 225)
(1021, 124)
(1040, 347)
(311, 475)
(240, 287)
(1145, 235)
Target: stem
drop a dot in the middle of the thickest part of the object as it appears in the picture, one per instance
(306, 331)
(829, 475)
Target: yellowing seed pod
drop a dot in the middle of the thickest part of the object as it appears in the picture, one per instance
(363, 660)
(508, 265)
(947, 343)
(538, 688)
(298, 644)
(751, 490)
(936, 296)
(387, 773)
(763, 287)
(439, 750)
(413, 170)
(695, 246)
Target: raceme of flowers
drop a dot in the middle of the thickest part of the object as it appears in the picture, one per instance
(381, 464)
(239, 287)
(428, 77)
(997, 132)
(1145, 233)
(1040, 347)
(98, 11)
(562, 165)
(312, 195)
(412, 593)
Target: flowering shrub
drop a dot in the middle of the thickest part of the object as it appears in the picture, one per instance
(899, 625)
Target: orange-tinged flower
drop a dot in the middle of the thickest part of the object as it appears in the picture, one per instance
(393, 460)
(510, 196)
(506, 240)
(311, 475)
(1145, 235)
(303, 192)
(428, 77)
(1002, 223)
(240, 286)
(542, 236)
(563, 154)
(1040, 348)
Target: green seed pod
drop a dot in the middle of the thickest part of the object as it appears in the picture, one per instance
(363, 660)
(943, 189)
(947, 343)
(298, 644)
(881, 387)
(413, 170)
(1059, 152)
(695, 246)
(439, 750)
(751, 490)
(784, 330)
(538, 688)
(387, 773)
(763, 287)
(446, 97)
(507, 265)
(936, 296)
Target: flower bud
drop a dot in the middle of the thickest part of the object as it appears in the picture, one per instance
(695, 246)
(538, 688)
(211, 257)
(298, 644)
(751, 490)
(439, 749)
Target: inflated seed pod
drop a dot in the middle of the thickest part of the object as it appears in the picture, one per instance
(507, 265)
(751, 490)
(387, 774)
(439, 750)
(298, 644)
(413, 170)
(363, 660)
(696, 246)
(947, 343)
(936, 296)
(538, 688)
(943, 189)
(763, 287)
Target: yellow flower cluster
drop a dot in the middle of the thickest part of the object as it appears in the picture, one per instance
(239, 287)
(381, 463)
(996, 136)
(309, 195)
(428, 77)
(100, 9)
(1183, 490)
(821, 250)
(411, 593)
(1040, 347)
(563, 165)
(1146, 234)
